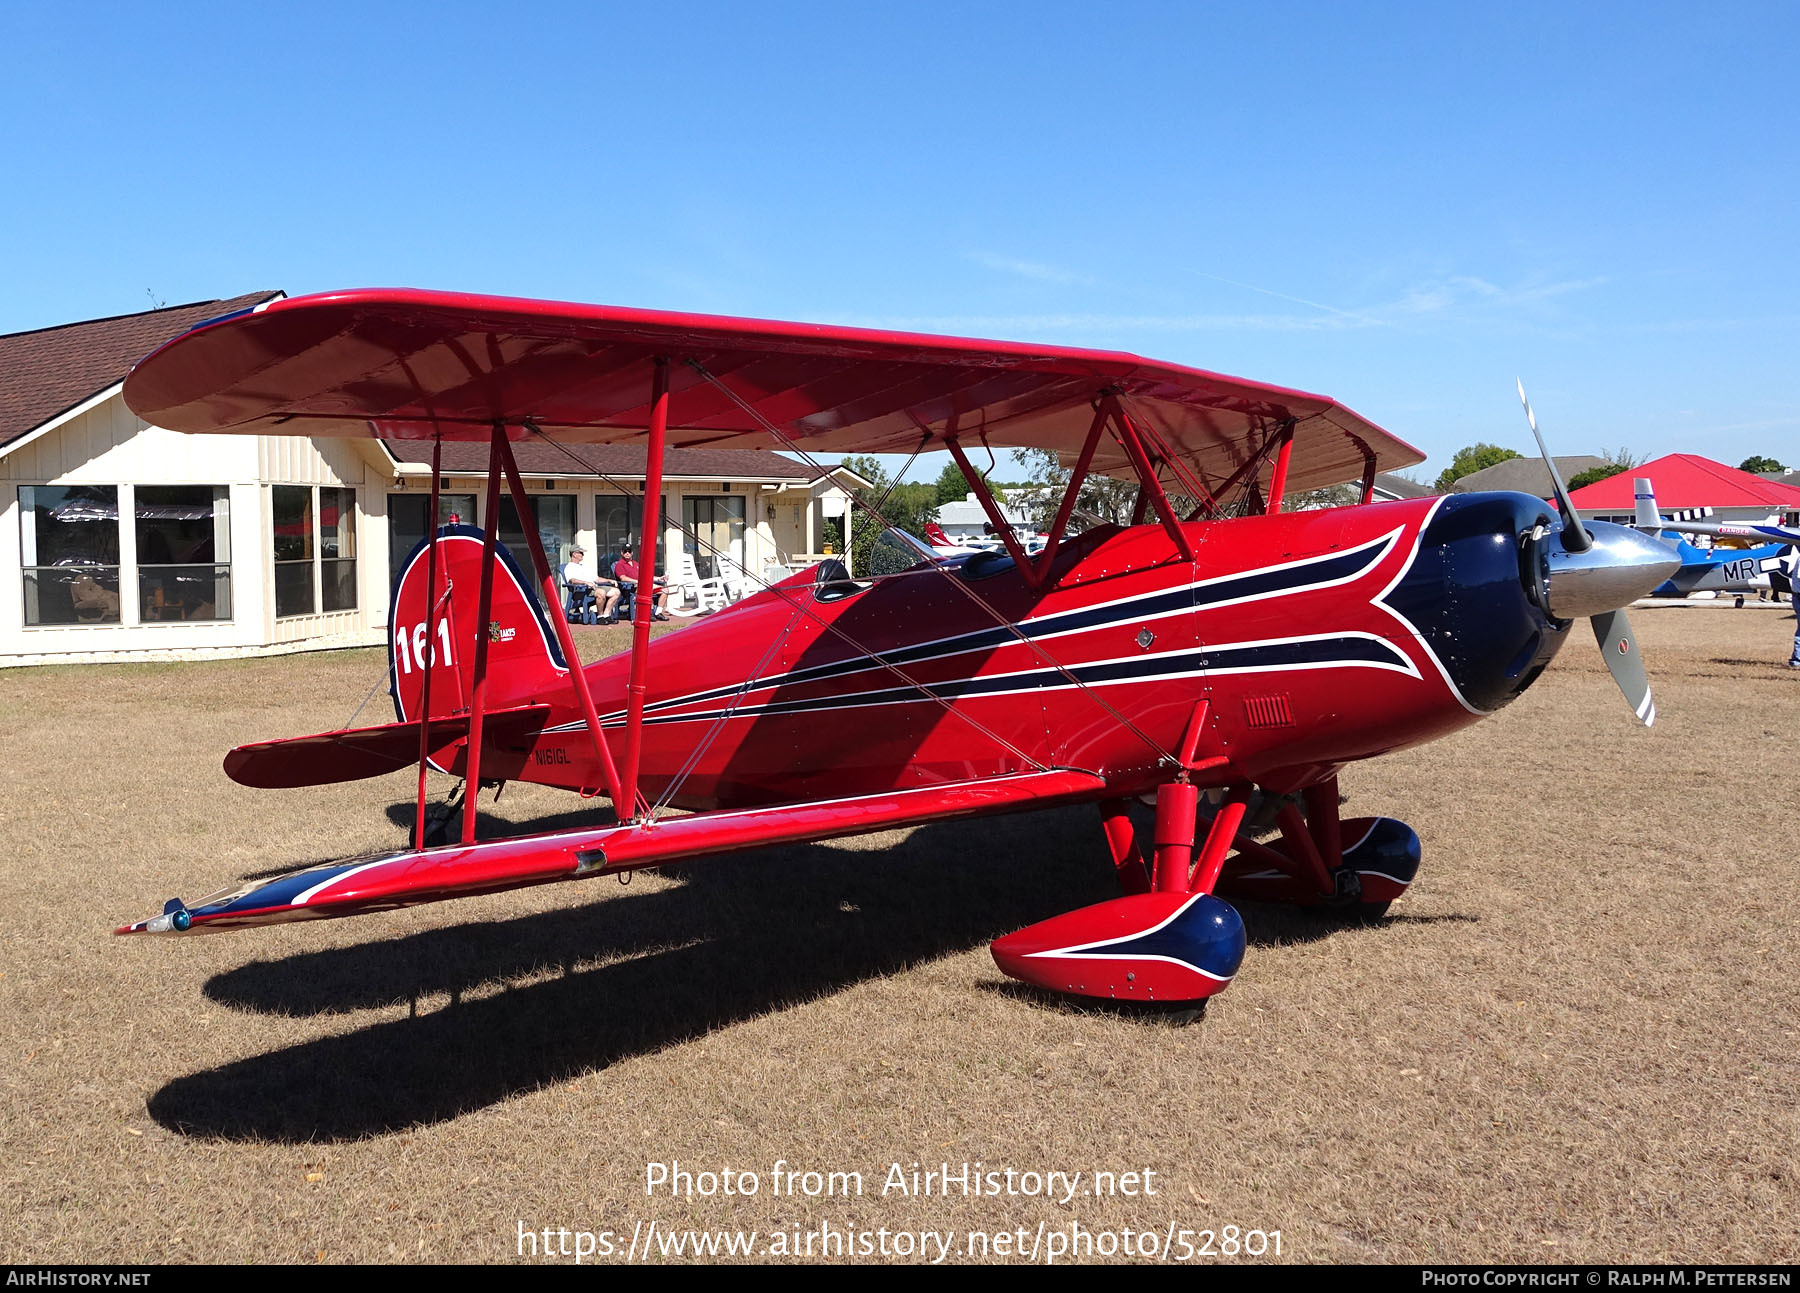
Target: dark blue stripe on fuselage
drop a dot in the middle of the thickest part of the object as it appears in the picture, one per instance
(1232, 588)
(1222, 659)
(1265, 583)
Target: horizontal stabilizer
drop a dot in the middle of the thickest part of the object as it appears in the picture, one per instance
(360, 752)
(461, 870)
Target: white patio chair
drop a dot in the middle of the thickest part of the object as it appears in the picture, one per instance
(708, 594)
(735, 578)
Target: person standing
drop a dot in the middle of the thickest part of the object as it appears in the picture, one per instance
(1787, 572)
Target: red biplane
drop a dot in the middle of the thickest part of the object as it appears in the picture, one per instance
(1193, 658)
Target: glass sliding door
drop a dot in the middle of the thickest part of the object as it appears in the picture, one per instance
(713, 528)
(618, 520)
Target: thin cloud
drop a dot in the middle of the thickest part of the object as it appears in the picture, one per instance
(1715, 325)
(1431, 303)
(1034, 270)
(1462, 294)
(999, 324)
(1283, 296)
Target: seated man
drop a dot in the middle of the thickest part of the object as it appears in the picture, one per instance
(591, 593)
(626, 568)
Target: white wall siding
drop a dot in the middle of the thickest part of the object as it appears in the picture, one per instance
(291, 460)
(109, 445)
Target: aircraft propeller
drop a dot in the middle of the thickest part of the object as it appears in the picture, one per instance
(1600, 569)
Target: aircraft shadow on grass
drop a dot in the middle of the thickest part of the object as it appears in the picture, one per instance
(739, 937)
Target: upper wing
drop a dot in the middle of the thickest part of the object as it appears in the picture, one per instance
(414, 364)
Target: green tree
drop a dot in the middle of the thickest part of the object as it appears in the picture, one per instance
(953, 486)
(1471, 459)
(1592, 474)
(1759, 464)
(905, 507)
(1102, 500)
(1617, 460)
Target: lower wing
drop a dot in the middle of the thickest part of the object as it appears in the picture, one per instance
(459, 871)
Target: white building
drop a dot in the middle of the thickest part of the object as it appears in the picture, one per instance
(122, 540)
(966, 519)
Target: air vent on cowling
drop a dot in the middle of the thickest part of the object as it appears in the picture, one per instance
(1268, 711)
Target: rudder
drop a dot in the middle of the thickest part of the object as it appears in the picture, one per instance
(523, 654)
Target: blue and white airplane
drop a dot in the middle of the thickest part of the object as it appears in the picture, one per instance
(1706, 567)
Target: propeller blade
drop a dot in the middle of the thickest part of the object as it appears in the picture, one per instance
(1575, 535)
(1619, 646)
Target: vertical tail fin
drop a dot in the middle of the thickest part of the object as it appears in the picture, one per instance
(523, 655)
(1648, 518)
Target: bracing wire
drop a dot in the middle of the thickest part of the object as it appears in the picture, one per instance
(363, 704)
(1001, 620)
(800, 607)
(717, 726)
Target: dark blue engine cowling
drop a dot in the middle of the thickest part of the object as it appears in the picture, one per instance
(1476, 593)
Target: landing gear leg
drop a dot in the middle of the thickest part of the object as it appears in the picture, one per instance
(1354, 868)
(1219, 839)
(1121, 842)
(1176, 804)
(439, 816)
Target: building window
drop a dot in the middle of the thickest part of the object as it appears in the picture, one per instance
(713, 531)
(555, 520)
(293, 506)
(337, 548)
(183, 552)
(406, 523)
(315, 549)
(618, 520)
(70, 553)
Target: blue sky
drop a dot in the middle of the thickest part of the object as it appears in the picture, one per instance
(1402, 207)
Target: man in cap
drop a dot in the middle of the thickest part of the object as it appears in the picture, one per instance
(590, 596)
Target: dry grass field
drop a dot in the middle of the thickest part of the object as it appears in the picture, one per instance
(1575, 1040)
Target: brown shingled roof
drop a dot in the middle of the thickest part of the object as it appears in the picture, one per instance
(49, 371)
(538, 458)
